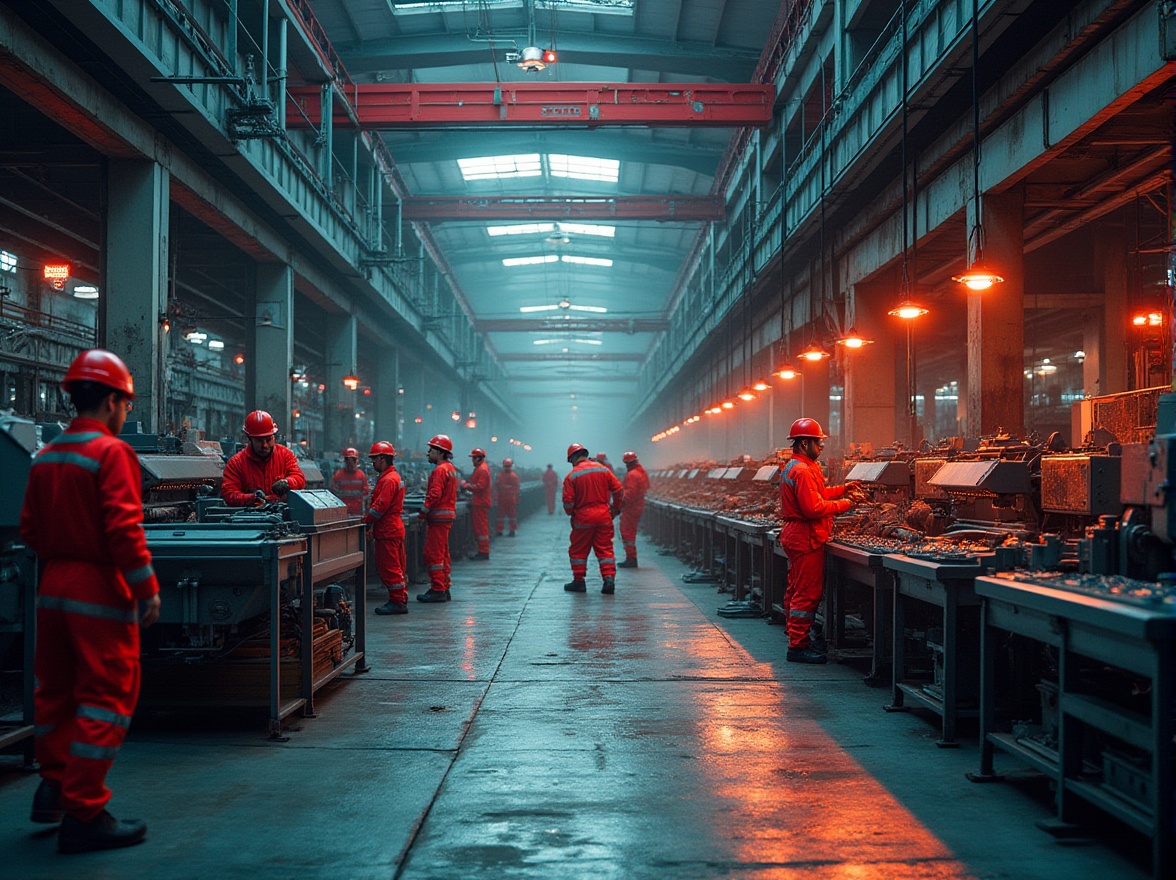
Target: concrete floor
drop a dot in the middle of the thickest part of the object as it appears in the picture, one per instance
(520, 731)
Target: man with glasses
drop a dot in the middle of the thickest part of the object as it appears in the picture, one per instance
(808, 507)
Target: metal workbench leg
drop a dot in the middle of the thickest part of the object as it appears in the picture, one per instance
(987, 700)
(950, 669)
(898, 661)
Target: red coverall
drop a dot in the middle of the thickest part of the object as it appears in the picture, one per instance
(636, 485)
(506, 487)
(587, 490)
(808, 508)
(479, 482)
(388, 532)
(245, 473)
(83, 515)
(350, 487)
(439, 512)
(550, 485)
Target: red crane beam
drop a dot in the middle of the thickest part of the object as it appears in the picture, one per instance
(438, 209)
(591, 105)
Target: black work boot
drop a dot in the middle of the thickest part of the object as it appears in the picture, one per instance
(512, 534)
(576, 586)
(628, 563)
(47, 803)
(102, 832)
(391, 607)
(806, 655)
(610, 586)
(478, 557)
(432, 595)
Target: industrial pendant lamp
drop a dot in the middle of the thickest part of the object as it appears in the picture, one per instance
(979, 275)
(853, 340)
(814, 352)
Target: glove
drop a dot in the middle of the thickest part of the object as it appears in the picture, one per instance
(614, 511)
(259, 494)
(280, 487)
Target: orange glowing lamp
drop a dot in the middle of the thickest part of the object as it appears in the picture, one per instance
(351, 382)
(57, 274)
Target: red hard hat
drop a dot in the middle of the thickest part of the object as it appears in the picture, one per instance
(574, 448)
(477, 451)
(351, 452)
(508, 462)
(380, 447)
(600, 456)
(259, 423)
(629, 456)
(101, 366)
(442, 442)
(806, 427)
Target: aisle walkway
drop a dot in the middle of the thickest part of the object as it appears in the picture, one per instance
(523, 732)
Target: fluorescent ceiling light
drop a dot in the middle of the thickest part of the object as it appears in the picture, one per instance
(424, 6)
(216, 344)
(86, 291)
(529, 261)
(196, 337)
(600, 310)
(566, 341)
(584, 167)
(588, 229)
(521, 229)
(499, 167)
(586, 261)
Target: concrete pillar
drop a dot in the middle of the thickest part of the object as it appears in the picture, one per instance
(133, 279)
(996, 324)
(1112, 356)
(273, 345)
(814, 392)
(412, 377)
(386, 389)
(875, 375)
(925, 427)
(339, 400)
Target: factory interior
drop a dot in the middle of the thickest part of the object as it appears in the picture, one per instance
(668, 232)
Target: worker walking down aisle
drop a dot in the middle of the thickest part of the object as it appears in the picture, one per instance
(480, 502)
(592, 496)
(350, 484)
(506, 488)
(550, 488)
(387, 527)
(439, 511)
(636, 485)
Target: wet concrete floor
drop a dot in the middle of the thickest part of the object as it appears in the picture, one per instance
(523, 732)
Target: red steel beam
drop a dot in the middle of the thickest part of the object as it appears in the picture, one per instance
(437, 209)
(591, 105)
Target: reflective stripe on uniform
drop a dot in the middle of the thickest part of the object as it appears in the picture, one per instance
(792, 462)
(98, 753)
(87, 609)
(50, 457)
(98, 713)
(793, 613)
(84, 437)
(375, 514)
(138, 575)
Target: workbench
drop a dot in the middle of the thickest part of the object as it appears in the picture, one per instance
(848, 567)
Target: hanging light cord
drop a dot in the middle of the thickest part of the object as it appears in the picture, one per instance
(976, 126)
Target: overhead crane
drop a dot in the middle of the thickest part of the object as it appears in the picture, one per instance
(591, 105)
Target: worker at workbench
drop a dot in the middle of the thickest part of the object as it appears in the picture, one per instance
(264, 471)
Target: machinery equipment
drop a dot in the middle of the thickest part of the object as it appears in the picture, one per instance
(18, 584)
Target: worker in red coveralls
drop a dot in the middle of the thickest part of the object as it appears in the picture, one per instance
(636, 485)
(506, 490)
(263, 471)
(808, 507)
(439, 512)
(550, 487)
(601, 458)
(592, 496)
(83, 516)
(350, 484)
(387, 527)
(479, 484)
